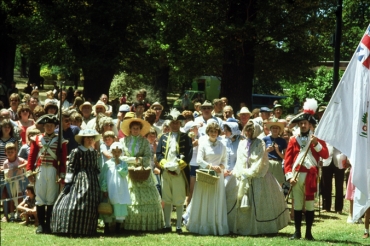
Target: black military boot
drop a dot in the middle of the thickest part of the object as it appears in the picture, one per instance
(106, 229)
(41, 217)
(297, 224)
(49, 211)
(310, 215)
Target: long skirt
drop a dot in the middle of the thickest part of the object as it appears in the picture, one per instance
(77, 212)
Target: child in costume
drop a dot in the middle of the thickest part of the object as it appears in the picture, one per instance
(114, 185)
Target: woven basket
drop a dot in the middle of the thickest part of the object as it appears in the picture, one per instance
(139, 175)
(105, 208)
(205, 177)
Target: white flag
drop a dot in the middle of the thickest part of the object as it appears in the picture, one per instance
(345, 123)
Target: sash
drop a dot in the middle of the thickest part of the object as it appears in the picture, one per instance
(309, 160)
(46, 148)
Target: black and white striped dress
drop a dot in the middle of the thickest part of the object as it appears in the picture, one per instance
(77, 212)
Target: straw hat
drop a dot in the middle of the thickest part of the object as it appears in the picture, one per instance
(279, 124)
(86, 103)
(156, 104)
(99, 104)
(87, 133)
(244, 110)
(125, 127)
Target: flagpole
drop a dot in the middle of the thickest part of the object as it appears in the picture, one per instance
(337, 42)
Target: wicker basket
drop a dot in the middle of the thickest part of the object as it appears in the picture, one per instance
(139, 175)
(205, 177)
(105, 208)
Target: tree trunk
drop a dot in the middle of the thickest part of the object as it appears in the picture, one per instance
(96, 82)
(161, 85)
(239, 57)
(34, 73)
(7, 58)
(23, 66)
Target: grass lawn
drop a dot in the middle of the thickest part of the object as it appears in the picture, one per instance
(329, 229)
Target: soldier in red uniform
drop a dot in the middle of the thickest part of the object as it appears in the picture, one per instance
(43, 159)
(305, 185)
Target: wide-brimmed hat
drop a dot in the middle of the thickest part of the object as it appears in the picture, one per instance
(156, 104)
(124, 108)
(125, 127)
(265, 109)
(87, 133)
(244, 110)
(86, 103)
(309, 109)
(48, 118)
(281, 125)
(99, 104)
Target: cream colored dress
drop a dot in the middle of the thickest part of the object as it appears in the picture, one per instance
(261, 205)
(207, 210)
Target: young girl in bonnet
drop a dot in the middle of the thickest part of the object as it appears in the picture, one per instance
(114, 186)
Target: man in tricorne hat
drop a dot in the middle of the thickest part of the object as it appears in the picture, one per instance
(174, 152)
(206, 109)
(50, 169)
(304, 185)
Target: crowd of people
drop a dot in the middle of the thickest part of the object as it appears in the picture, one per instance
(222, 172)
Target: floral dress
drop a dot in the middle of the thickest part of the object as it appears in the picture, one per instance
(145, 212)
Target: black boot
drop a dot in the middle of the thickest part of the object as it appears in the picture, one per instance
(41, 217)
(106, 229)
(297, 224)
(49, 211)
(310, 215)
(118, 227)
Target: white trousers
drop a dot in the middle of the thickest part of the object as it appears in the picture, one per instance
(299, 191)
(46, 187)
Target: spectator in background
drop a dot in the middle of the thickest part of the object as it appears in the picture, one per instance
(278, 111)
(145, 100)
(104, 99)
(65, 102)
(24, 121)
(76, 119)
(14, 101)
(32, 103)
(197, 109)
(158, 108)
(218, 106)
(139, 98)
(51, 107)
(123, 99)
(242, 104)
(38, 112)
(255, 113)
(225, 101)
(28, 89)
(69, 131)
(244, 115)
(86, 109)
(185, 102)
(228, 112)
(139, 107)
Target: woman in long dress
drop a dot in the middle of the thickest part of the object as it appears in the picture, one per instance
(76, 209)
(207, 213)
(145, 212)
(231, 140)
(261, 205)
